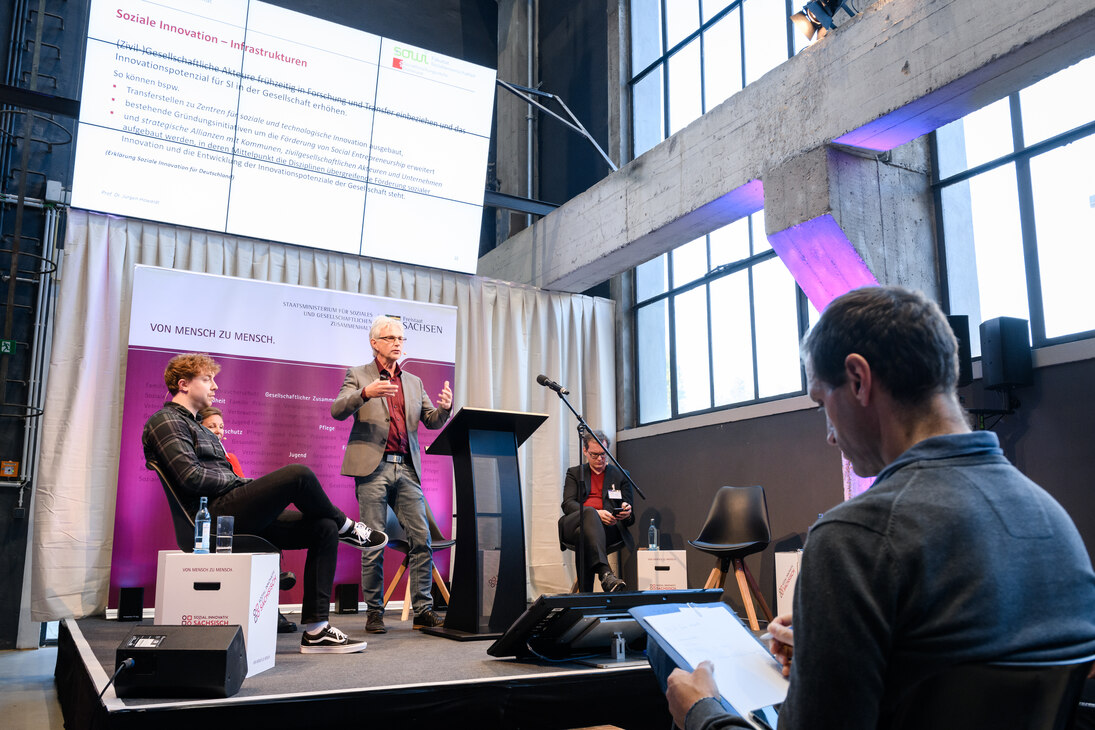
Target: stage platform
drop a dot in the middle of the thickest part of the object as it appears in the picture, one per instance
(404, 678)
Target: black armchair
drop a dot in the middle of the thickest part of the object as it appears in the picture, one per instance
(183, 522)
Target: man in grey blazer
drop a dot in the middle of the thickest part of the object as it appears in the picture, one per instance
(382, 456)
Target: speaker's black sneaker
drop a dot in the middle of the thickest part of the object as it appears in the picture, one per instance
(428, 619)
(374, 621)
(329, 640)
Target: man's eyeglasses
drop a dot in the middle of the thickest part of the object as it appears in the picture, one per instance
(392, 338)
(595, 455)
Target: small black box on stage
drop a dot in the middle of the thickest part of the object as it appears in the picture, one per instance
(131, 604)
(181, 661)
(346, 598)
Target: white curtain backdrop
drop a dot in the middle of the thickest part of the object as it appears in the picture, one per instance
(507, 335)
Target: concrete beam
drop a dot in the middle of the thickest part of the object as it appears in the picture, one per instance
(895, 71)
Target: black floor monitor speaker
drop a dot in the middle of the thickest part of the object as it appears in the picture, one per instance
(1005, 353)
(181, 661)
(960, 323)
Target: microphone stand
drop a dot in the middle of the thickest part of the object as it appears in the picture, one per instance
(583, 426)
(579, 553)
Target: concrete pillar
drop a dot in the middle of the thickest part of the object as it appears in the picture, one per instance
(896, 71)
(512, 122)
(619, 71)
(840, 218)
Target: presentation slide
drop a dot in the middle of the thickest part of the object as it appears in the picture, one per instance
(279, 375)
(241, 117)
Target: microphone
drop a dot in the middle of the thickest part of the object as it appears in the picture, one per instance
(548, 383)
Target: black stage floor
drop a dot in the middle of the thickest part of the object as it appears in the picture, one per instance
(402, 677)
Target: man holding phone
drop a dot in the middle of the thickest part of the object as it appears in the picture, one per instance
(599, 495)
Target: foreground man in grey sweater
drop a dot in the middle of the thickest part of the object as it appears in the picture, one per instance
(952, 556)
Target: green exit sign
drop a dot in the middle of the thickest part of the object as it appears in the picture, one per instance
(7, 347)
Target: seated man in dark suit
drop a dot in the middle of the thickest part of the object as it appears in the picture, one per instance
(599, 495)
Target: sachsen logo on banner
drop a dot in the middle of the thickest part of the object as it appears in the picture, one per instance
(256, 612)
(414, 324)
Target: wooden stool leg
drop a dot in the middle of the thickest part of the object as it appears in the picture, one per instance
(406, 601)
(746, 598)
(395, 581)
(715, 578)
(756, 592)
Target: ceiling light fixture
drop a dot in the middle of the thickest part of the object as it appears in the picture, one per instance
(816, 17)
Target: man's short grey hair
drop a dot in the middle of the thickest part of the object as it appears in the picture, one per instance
(382, 323)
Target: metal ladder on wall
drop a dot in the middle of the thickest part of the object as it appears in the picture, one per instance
(30, 222)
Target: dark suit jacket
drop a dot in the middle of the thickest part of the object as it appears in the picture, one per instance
(574, 496)
(370, 429)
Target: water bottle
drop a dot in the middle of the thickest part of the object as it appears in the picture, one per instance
(201, 529)
(652, 542)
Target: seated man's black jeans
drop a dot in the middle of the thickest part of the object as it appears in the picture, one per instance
(259, 507)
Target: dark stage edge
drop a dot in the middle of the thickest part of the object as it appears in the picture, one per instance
(402, 676)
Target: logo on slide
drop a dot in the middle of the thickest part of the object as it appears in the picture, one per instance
(399, 55)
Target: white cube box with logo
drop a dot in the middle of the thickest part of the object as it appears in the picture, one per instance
(787, 565)
(662, 570)
(221, 589)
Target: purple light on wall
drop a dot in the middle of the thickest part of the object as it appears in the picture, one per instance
(822, 260)
(882, 135)
(854, 485)
(738, 203)
(826, 265)
(917, 118)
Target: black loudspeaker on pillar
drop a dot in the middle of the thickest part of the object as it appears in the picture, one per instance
(346, 598)
(181, 661)
(131, 604)
(1005, 353)
(960, 324)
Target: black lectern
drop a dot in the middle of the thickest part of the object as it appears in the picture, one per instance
(488, 581)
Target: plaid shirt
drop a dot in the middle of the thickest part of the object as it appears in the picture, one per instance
(190, 454)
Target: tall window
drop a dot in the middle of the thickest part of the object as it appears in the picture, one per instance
(688, 56)
(717, 320)
(1016, 191)
(718, 323)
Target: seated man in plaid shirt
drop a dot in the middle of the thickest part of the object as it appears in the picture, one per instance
(194, 461)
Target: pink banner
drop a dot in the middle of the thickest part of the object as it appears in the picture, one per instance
(276, 413)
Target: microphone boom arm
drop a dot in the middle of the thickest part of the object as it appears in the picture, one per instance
(582, 424)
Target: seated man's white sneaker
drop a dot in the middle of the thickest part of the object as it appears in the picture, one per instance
(329, 640)
(363, 537)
